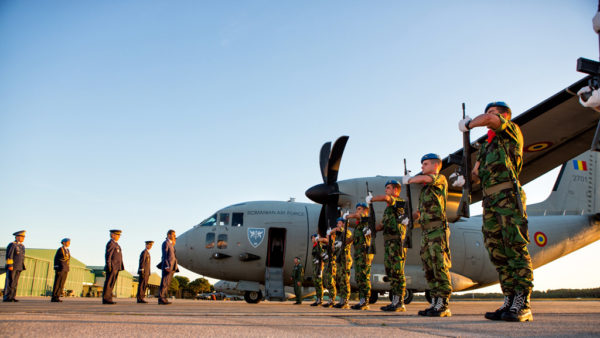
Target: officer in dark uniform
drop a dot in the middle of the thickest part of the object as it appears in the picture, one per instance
(168, 265)
(114, 263)
(297, 278)
(61, 268)
(144, 272)
(15, 263)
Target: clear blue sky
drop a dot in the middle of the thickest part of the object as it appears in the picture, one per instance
(150, 115)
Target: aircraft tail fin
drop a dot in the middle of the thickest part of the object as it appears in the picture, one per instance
(575, 190)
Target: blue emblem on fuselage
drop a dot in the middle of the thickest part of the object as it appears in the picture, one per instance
(256, 236)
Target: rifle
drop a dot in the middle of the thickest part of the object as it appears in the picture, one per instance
(372, 224)
(411, 224)
(465, 201)
(342, 256)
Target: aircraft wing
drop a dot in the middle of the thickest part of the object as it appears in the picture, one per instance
(555, 131)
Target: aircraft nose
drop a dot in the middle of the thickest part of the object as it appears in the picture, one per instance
(184, 250)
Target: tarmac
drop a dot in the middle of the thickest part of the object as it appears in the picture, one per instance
(86, 317)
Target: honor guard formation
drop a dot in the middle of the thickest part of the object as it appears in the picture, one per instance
(505, 232)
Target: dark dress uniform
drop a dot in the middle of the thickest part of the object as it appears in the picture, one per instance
(114, 264)
(168, 265)
(15, 258)
(298, 277)
(144, 274)
(61, 268)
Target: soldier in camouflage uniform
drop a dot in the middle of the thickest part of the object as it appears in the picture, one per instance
(505, 229)
(344, 261)
(317, 256)
(435, 249)
(362, 258)
(394, 231)
(329, 257)
(297, 279)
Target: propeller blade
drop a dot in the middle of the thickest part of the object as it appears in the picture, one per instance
(335, 159)
(332, 213)
(324, 159)
(322, 227)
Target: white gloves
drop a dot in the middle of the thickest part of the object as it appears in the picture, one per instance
(405, 221)
(459, 180)
(462, 124)
(325, 256)
(405, 179)
(328, 232)
(596, 22)
(588, 97)
(315, 261)
(345, 215)
(367, 232)
(338, 244)
(369, 198)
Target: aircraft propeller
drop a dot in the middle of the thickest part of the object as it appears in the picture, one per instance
(327, 193)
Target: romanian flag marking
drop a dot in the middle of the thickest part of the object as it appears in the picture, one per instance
(580, 165)
(540, 239)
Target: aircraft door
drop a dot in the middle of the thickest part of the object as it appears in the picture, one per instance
(276, 248)
(474, 252)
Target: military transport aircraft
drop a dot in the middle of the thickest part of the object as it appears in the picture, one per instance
(254, 243)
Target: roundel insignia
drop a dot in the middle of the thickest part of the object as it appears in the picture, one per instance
(538, 146)
(540, 239)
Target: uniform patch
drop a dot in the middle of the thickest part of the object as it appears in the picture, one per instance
(580, 165)
(540, 239)
(538, 146)
(256, 236)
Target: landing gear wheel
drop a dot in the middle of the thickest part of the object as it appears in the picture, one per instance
(428, 296)
(374, 297)
(252, 297)
(408, 296)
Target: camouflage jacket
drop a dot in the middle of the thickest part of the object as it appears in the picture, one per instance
(330, 248)
(317, 251)
(360, 240)
(432, 202)
(339, 252)
(501, 159)
(392, 216)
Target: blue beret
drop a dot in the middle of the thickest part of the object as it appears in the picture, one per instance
(314, 235)
(393, 182)
(496, 104)
(65, 240)
(364, 205)
(19, 233)
(340, 219)
(430, 156)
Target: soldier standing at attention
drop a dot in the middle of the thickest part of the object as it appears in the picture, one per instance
(168, 265)
(435, 249)
(362, 258)
(61, 266)
(15, 263)
(330, 266)
(297, 279)
(394, 231)
(344, 258)
(505, 228)
(317, 256)
(144, 272)
(113, 264)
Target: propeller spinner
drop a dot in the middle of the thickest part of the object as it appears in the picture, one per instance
(328, 193)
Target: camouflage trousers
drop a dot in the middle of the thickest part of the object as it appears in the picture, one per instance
(435, 254)
(362, 270)
(506, 235)
(329, 279)
(395, 256)
(343, 276)
(318, 279)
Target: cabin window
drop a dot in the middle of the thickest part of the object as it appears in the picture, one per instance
(224, 219)
(210, 240)
(222, 242)
(238, 219)
(212, 220)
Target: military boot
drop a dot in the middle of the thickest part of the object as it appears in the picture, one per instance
(440, 309)
(317, 302)
(363, 304)
(427, 310)
(497, 315)
(396, 306)
(343, 304)
(520, 311)
(328, 304)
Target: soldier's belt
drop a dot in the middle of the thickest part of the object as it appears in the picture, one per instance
(497, 188)
(432, 225)
(391, 237)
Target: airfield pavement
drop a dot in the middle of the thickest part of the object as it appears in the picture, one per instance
(37, 317)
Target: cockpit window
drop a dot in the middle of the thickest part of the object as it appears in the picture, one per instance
(237, 219)
(210, 240)
(212, 220)
(222, 242)
(224, 219)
